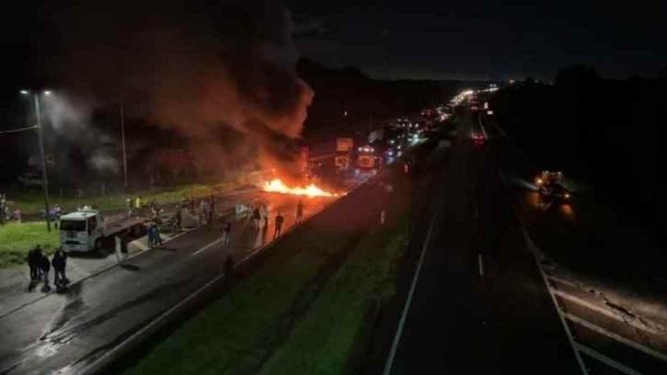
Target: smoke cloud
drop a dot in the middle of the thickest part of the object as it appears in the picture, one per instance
(203, 69)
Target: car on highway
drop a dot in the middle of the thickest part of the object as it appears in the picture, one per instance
(478, 139)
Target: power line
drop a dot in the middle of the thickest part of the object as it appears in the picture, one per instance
(18, 130)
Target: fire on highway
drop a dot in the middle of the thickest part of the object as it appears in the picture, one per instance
(311, 190)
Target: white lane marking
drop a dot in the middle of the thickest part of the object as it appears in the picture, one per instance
(210, 245)
(399, 331)
(604, 311)
(481, 125)
(563, 281)
(533, 250)
(653, 353)
(481, 264)
(148, 326)
(606, 360)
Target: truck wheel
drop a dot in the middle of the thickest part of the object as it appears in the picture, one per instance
(98, 244)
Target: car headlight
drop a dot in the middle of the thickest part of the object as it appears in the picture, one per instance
(567, 196)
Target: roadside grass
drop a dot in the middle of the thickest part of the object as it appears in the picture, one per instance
(32, 200)
(17, 239)
(331, 334)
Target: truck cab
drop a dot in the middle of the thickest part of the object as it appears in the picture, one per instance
(366, 158)
(82, 230)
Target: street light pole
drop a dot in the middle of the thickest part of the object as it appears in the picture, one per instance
(122, 135)
(45, 180)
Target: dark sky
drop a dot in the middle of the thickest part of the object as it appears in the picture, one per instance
(472, 39)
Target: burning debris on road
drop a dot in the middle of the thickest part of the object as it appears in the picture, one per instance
(311, 190)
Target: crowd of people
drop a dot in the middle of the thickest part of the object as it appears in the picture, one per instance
(6, 213)
(40, 266)
(260, 218)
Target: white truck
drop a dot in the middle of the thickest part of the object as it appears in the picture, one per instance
(86, 230)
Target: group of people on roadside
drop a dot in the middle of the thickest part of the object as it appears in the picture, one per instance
(207, 211)
(260, 217)
(6, 214)
(40, 266)
(154, 238)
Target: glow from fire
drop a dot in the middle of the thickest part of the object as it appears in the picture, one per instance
(277, 186)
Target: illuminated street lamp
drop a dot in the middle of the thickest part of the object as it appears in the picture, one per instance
(45, 180)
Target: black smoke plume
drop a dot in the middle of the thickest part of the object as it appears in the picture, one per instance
(201, 68)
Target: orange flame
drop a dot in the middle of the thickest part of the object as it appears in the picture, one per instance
(277, 186)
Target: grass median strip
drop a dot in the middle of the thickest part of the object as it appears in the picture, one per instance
(237, 333)
(333, 268)
(331, 332)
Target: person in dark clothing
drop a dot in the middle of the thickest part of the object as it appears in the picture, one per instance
(227, 233)
(279, 225)
(59, 262)
(179, 218)
(209, 219)
(299, 212)
(256, 217)
(45, 266)
(32, 264)
(37, 265)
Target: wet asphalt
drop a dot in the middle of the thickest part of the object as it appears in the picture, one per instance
(64, 333)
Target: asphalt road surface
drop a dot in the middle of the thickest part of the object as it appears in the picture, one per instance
(605, 274)
(63, 333)
(480, 304)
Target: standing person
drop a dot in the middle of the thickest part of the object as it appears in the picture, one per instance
(33, 264)
(59, 262)
(157, 240)
(128, 205)
(212, 203)
(137, 205)
(178, 217)
(151, 235)
(45, 266)
(118, 247)
(227, 233)
(209, 220)
(279, 225)
(264, 210)
(58, 212)
(123, 247)
(3, 208)
(203, 211)
(256, 217)
(299, 212)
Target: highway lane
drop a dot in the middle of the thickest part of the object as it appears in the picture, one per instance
(480, 305)
(599, 270)
(66, 332)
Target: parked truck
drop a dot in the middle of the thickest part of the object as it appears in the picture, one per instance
(87, 230)
(344, 148)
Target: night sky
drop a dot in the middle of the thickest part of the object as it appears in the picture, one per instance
(421, 39)
(480, 40)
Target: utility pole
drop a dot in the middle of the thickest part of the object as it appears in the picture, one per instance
(45, 179)
(122, 136)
